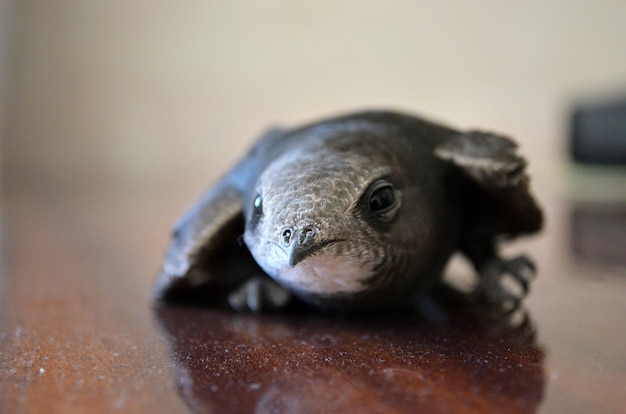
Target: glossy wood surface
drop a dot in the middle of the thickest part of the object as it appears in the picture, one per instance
(78, 332)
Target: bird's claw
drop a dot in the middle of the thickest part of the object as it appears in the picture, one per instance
(257, 294)
(505, 282)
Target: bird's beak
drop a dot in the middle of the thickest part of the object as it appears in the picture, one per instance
(298, 252)
(302, 244)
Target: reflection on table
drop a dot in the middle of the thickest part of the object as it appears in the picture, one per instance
(453, 357)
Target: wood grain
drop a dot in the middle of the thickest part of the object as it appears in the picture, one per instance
(78, 332)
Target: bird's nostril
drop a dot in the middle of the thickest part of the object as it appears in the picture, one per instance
(286, 237)
(306, 235)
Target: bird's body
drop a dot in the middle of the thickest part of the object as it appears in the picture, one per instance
(355, 212)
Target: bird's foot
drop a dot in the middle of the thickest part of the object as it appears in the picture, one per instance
(505, 282)
(257, 294)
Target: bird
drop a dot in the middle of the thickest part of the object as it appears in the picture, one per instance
(358, 211)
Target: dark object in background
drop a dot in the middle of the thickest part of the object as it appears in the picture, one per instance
(599, 233)
(598, 132)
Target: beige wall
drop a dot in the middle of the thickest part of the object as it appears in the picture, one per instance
(153, 92)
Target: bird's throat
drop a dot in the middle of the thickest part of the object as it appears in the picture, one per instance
(324, 275)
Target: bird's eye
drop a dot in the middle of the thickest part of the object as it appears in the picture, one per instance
(382, 199)
(258, 204)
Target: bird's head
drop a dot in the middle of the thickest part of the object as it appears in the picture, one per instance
(330, 224)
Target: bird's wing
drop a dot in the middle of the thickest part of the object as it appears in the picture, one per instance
(205, 256)
(491, 162)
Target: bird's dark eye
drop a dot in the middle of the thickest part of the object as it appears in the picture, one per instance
(382, 199)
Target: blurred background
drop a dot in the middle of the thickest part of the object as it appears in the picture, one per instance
(151, 96)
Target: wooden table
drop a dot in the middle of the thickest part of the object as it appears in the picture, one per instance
(78, 332)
